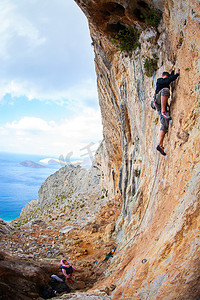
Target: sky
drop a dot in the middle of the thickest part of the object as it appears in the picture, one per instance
(48, 95)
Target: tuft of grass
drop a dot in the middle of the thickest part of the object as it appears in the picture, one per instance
(126, 40)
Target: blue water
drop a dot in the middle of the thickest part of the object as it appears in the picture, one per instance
(19, 184)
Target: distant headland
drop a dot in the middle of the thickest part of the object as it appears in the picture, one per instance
(32, 164)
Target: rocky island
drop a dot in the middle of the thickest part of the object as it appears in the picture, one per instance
(144, 204)
(32, 164)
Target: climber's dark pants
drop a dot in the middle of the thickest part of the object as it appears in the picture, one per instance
(163, 121)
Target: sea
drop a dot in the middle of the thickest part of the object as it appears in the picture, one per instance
(20, 184)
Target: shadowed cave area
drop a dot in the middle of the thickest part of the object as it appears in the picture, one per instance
(110, 17)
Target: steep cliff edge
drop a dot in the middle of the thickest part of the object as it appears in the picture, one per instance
(158, 229)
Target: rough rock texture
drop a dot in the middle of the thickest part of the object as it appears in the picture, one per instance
(4, 228)
(20, 279)
(159, 218)
(68, 194)
(95, 295)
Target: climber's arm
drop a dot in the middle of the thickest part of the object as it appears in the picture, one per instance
(170, 79)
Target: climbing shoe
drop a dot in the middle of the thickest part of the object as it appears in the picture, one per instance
(166, 115)
(161, 149)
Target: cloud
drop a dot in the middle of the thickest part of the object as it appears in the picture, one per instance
(15, 24)
(30, 123)
(3, 131)
(45, 50)
(46, 57)
(37, 136)
(82, 93)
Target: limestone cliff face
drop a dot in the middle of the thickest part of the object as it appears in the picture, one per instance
(158, 227)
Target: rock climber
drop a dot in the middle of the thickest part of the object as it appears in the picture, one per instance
(162, 94)
(67, 270)
(110, 254)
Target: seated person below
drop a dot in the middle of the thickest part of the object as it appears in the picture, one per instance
(67, 270)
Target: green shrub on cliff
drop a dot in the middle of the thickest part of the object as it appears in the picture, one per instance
(151, 65)
(126, 40)
(152, 17)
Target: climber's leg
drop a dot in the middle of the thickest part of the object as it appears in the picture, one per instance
(163, 103)
(165, 93)
(163, 130)
(161, 137)
(160, 147)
